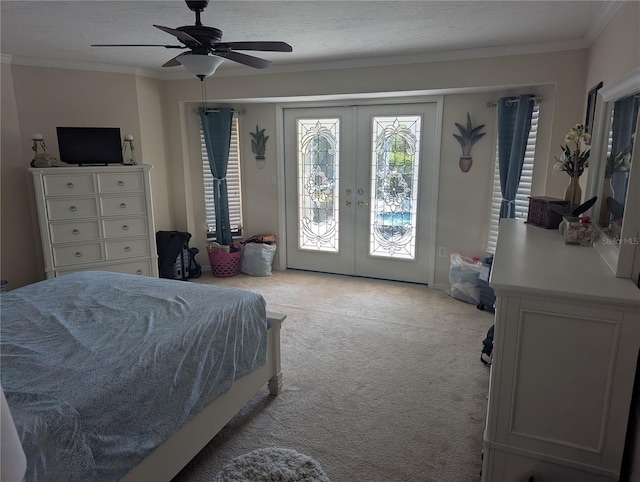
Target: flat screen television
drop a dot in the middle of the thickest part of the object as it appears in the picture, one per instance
(90, 145)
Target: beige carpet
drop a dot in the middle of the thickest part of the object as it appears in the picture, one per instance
(382, 381)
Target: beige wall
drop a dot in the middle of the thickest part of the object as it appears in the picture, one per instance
(152, 143)
(160, 116)
(38, 100)
(20, 258)
(463, 207)
(616, 51)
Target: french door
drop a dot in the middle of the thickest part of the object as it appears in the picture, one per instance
(360, 190)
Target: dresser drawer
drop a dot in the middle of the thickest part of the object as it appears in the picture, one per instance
(79, 254)
(117, 228)
(77, 231)
(68, 184)
(129, 248)
(135, 267)
(120, 182)
(112, 206)
(72, 208)
(141, 267)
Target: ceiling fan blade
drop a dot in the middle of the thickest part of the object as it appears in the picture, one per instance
(183, 37)
(260, 45)
(140, 45)
(245, 59)
(174, 62)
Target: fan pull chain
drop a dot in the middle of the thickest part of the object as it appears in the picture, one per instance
(203, 89)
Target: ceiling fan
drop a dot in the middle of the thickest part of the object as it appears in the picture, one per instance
(206, 51)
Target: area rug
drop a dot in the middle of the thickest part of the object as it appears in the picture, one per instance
(272, 464)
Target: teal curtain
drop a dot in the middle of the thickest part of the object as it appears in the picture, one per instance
(216, 126)
(514, 123)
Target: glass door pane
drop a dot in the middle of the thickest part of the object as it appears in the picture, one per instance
(318, 155)
(395, 160)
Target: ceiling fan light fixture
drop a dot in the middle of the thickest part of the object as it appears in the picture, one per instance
(200, 65)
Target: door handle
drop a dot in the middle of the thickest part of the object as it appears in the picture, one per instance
(362, 203)
(347, 202)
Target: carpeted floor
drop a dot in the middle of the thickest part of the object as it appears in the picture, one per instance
(382, 381)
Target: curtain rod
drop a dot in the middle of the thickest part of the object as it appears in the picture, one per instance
(535, 98)
(213, 109)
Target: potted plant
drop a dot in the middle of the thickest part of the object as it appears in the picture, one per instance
(469, 135)
(259, 145)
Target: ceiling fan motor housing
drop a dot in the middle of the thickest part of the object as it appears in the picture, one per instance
(204, 35)
(197, 5)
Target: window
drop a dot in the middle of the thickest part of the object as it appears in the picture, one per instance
(233, 185)
(524, 189)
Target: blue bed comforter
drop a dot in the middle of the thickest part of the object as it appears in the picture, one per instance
(101, 368)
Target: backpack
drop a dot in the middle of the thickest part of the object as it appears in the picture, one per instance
(175, 259)
(486, 356)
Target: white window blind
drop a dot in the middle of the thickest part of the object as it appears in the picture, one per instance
(233, 184)
(524, 189)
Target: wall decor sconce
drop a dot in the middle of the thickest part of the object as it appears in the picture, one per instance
(128, 156)
(259, 146)
(469, 135)
(41, 158)
(38, 144)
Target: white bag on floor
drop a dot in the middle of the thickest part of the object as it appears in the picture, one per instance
(464, 277)
(257, 259)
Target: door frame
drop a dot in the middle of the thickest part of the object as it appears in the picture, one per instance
(432, 171)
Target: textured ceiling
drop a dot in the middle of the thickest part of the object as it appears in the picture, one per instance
(320, 31)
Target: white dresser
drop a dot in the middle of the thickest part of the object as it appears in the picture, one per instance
(567, 335)
(96, 218)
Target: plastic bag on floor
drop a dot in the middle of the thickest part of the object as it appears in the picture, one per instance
(257, 259)
(464, 279)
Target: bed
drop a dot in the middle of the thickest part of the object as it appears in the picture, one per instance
(119, 377)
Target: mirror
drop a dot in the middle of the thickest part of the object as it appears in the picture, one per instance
(612, 177)
(621, 133)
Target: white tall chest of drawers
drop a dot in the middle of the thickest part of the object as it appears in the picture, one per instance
(567, 335)
(96, 218)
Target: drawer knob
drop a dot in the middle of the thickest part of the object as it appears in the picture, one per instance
(78, 254)
(76, 231)
(127, 248)
(125, 228)
(70, 185)
(123, 205)
(120, 183)
(73, 209)
(139, 271)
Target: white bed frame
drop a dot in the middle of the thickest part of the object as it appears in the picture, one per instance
(170, 457)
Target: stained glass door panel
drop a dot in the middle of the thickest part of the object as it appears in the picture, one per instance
(318, 167)
(318, 156)
(395, 160)
(360, 190)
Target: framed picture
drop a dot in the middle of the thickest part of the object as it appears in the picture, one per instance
(591, 107)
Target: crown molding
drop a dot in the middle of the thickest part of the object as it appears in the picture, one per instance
(451, 55)
(607, 11)
(76, 65)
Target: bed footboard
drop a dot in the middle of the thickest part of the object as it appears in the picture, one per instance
(170, 457)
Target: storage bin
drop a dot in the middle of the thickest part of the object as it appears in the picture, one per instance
(223, 264)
